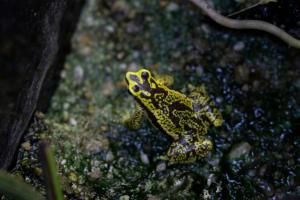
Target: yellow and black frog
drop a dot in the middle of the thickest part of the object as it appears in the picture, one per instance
(185, 118)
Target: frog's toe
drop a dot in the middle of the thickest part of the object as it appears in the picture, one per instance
(203, 148)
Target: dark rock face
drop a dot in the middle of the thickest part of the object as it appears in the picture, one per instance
(34, 40)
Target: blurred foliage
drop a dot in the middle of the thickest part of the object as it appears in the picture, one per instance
(14, 187)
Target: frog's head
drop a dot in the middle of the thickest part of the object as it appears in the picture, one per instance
(140, 83)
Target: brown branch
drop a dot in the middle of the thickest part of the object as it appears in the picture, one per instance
(247, 24)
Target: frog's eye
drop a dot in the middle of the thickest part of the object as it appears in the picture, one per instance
(135, 88)
(145, 75)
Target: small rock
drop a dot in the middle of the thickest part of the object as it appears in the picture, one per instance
(95, 173)
(239, 46)
(266, 187)
(108, 88)
(63, 74)
(121, 6)
(124, 197)
(241, 73)
(219, 100)
(109, 156)
(123, 66)
(206, 194)
(72, 121)
(252, 173)
(205, 28)
(85, 40)
(152, 197)
(110, 29)
(262, 170)
(172, 7)
(199, 70)
(72, 176)
(144, 158)
(85, 51)
(26, 145)
(211, 179)
(63, 162)
(133, 66)
(161, 167)
(132, 28)
(239, 150)
(38, 171)
(120, 55)
(97, 144)
(245, 87)
(256, 85)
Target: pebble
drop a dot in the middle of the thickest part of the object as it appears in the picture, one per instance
(172, 7)
(241, 73)
(199, 70)
(239, 150)
(63, 162)
(245, 87)
(121, 6)
(211, 179)
(124, 197)
(97, 144)
(144, 158)
(26, 145)
(132, 28)
(72, 176)
(239, 46)
(266, 187)
(110, 29)
(262, 170)
(152, 197)
(206, 194)
(108, 88)
(161, 167)
(73, 122)
(205, 28)
(95, 173)
(109, 156)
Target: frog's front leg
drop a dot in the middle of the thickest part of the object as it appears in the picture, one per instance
(134, 122)
(166, 80)
(188, 149)
(203, 105)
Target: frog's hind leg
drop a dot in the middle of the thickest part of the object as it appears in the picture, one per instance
(134, 122)
(188, 149)
(203, 105)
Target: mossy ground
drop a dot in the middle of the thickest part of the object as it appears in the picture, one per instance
(253, 79)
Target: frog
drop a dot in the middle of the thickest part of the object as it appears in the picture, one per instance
(185, 118)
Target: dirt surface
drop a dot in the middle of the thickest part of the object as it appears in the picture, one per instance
(252, 77)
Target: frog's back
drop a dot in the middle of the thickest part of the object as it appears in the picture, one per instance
(173, 113)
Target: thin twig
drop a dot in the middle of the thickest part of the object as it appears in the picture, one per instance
(261, 2)
(247, 24)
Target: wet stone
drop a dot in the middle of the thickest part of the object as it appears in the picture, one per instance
(172, 7)
(95, 173)
(124, 197)
(26, 145)
(144, 158)
(239, 46)
(78, 75)
(109, 156)
(239, 150)
(161, 167)
(241, 73)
